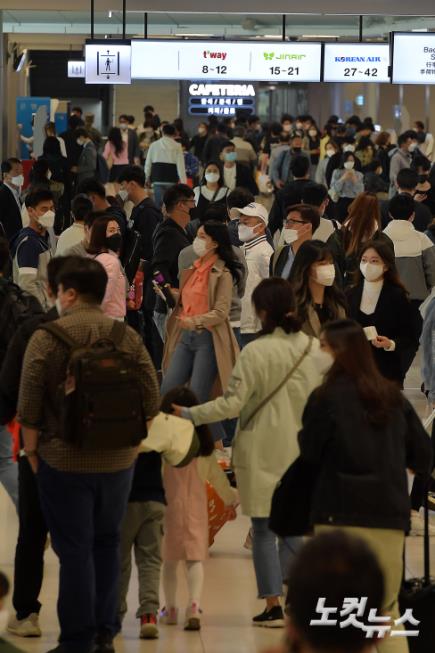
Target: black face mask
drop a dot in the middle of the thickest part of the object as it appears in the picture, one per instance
(297, 150)
(114, 242)
(422, 178)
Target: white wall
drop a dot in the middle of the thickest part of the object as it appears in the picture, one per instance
(163, 96)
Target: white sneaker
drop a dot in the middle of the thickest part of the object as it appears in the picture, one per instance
(169, 617)
(193, 618)
(417, 525)
(28, 627)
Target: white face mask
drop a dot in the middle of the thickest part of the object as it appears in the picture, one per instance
(4, 618)
(199, 246)
(246, 233)
(323, 360)
(49, 175)
(349, 165)
(80, 142)
(123, 126)
(371, 271)
(312, 133)
(212, 177)
(290, 236)
(18, 181)
(412, 147)
(325, 274)
(286, 127)
(58, 306)
(47, 220)
(123, 194)
(349, 148)
(330, 152)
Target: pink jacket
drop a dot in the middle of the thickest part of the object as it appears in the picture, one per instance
(115, 300)
(117, 160)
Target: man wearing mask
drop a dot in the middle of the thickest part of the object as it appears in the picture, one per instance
(301, 222)
(199, 140)
(164, 164)
(425, 140)
(32, 249)
(87, 163)
(235, 173)
(169, 239)
(287, 123)
(280, 166)
(291, 193)
(406, 184)
(10, 197)
(253, 220)
(130, 137)
(97, 194)
(401, 157)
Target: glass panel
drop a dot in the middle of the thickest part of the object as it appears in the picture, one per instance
(379, 27)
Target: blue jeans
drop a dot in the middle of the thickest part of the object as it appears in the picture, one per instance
(194, 361)
(159, 190)
(272, 559)
(8, 468)
(160, 320)
(84, 514)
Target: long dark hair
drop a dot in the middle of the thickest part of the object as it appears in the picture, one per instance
(182, 396)
(275, 298)
(354, 357)
(218, 165)
(310, 252)
(386, 253)
(115, 137)
(218, 231)
(51, 147)
(97, 243)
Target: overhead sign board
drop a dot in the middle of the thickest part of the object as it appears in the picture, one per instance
(356, 62)
(221, 99)
(76, 69)
(413, 58)
(108, 62)
(219, 61)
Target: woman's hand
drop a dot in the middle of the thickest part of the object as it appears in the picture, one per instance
(381, 342)
(176, 410)
(186, 323)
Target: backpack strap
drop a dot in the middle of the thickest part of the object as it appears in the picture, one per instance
(117, 333)
(60, 334)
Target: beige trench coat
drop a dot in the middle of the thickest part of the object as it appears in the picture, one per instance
(220, 293)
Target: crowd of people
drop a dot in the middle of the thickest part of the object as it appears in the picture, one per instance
(263, 288)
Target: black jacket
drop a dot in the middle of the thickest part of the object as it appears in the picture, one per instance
(10, 214)
(394, 317)
(133, 146)
(169, 240)
(146, 217)
(147, 480)
(423, 216)
(10, 372)
(290, 194)
(362, 478)
(245, 178)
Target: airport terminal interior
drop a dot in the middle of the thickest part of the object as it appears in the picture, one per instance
(217, 327)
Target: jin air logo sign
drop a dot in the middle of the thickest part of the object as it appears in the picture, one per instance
(272, 56)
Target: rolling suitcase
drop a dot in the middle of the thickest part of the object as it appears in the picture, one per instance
(419, 593)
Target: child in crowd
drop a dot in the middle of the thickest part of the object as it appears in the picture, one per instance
(186, 519)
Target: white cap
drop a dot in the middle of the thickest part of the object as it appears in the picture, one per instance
(255, 210)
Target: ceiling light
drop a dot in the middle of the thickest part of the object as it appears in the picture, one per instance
(109, 14)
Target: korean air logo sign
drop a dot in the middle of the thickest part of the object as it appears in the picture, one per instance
(358, 59)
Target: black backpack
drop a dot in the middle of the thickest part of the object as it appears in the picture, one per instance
(16, 306)
(101, 398)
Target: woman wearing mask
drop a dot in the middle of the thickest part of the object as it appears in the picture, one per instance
(267, 392)
(211, 192)
(200, 346)
(378, 300)
(313, 139)
(363, 224)
(361, 436)
(365, 152)
(198, 141)
(57, 164)
(116, 153)
(318, 296)
(331, 148)
(383, 148)
(346, 184)
(104, 246)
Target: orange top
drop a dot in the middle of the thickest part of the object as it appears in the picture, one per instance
(194, 296)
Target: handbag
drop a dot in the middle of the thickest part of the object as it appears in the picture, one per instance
(291, 501)
(281, 385)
